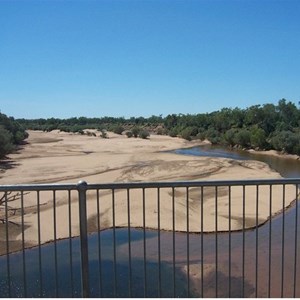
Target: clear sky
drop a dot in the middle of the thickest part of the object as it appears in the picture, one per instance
(127, 58)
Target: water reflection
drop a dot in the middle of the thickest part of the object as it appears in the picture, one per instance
(112, 276)
(267, 257)
(233, 268)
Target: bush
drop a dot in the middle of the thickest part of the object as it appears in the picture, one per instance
(186, 133)
(6, 145)
(103, 134)
(135, 131)
(11, 134)
(129, 134)
(20, 136)
(160, 131)
(89, 133)
(144, 134)
(117, 129)
(173, 132)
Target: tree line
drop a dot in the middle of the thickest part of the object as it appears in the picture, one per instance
(12, 133)
(261, 127)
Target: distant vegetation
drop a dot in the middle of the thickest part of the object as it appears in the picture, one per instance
(11, 134)
(261, 127)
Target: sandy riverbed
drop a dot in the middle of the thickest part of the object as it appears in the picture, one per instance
(58, 157)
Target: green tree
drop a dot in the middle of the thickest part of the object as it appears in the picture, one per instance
(6, 145)
(213, 135)
(286, 141)
(173, 132)
(186, 133)
(229, 137)
(288, 113)
(170, 121)
(242, 138)
(258, 138)
(12, 134)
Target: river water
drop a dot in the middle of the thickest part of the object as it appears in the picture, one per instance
(287, 167)
(243, 260)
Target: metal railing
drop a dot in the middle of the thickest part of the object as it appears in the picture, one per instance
(161, 239)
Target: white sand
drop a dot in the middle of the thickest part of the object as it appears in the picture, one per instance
(67, 158)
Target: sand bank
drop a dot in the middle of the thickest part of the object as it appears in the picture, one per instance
(275, 153)
(59, 157)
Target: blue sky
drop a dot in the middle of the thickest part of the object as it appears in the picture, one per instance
(146, 57)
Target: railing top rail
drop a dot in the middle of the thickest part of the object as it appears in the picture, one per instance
(166, 184)
(38, 187)
(139, 185)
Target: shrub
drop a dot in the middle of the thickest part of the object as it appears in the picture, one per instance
(129, 134)
(135, 131)
(160, 131)
(117, 129)
(11, 134)
(20, 136)
(144, 134)
(173, 132)
(6, 145)
(89, 133)
(186, 133)
(104, 134)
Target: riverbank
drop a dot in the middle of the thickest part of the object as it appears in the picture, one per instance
(275, 153)
(59, 157)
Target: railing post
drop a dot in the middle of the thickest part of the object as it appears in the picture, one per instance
(82, 187)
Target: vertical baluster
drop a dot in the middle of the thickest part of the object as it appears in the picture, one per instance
(270, 242)
(159, 246)
(296, 243)
(39, 243)
(7, 245)
(188, 241)
(256, 243)
(173, 218)
(216, 237)
(282, 250)
(99, 245)
(144, 237)
(84, 251)
(70, 244)
(202, 248)
(229, 243)
(129, 243)
(114, 244)
(23, 244)
(243, 256)
(55, 245)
